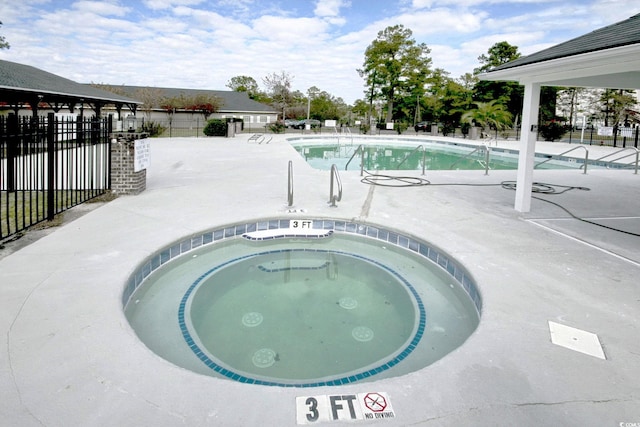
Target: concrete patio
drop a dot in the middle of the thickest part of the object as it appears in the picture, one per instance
(70, 357)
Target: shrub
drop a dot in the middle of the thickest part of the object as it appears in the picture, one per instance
(552, 131)
(401, 127)
(153, 128)
(277, 127)
(215, 127)
(464, 128)
(448, 128)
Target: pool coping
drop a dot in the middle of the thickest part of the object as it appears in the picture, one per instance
(281, 228)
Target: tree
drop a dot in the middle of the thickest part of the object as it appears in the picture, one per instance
(203, 104)
(4, 44)
(118, 90)
(244, 84)
(324, 106)
(614, 103)
(490, 115)
(498, 54)
(394, 63)
(150, 97)
(279, 89)
(510, 94)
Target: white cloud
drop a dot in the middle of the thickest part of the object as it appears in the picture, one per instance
(203, 44)
(168, 4)
(105, 8)
(329, 8)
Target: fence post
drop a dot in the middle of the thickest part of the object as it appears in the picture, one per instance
(13, 140)
(108, 141)
(51, 164)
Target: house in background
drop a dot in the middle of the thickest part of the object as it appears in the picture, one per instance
(236, 105)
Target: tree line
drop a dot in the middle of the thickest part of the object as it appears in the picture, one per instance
(402, 87)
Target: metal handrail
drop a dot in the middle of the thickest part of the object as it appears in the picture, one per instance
(348, 131)
(334, 177)
(551, 156)
(360, 148)
(290, 184)
(635, 151)
(424, 154)
(486, 157)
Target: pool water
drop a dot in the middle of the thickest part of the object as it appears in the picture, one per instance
(394, 156)
(298, 311)
(304, 315)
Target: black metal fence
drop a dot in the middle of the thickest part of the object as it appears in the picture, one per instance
(48, 165)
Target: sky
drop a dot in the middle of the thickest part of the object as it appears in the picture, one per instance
(202, 44)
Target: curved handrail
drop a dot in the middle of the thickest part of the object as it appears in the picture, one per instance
(359, 149)
(348, 131)
(475, 150)
(290, 184)
(635, 151)
(334, 177)
(424, 154)
(551, 156)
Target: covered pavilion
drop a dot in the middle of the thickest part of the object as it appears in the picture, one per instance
(23, 86)
(605, 58)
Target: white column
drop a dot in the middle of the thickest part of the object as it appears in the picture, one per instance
(526, 157)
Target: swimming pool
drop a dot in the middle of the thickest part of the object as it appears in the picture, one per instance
(332, 303)
(409, 154)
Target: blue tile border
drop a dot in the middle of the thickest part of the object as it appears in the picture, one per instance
(376, 232)
(206, 359)
(407, 242)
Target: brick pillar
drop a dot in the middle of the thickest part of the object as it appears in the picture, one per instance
(124, 179)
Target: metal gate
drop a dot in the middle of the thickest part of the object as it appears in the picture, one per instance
(48, 165)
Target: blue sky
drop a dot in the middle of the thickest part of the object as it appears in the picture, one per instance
(204, 43)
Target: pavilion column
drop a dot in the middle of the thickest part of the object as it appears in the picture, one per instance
(528, 137)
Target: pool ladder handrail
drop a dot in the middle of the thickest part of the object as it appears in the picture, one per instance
(610, 162)
(290, 184)
(335, 177)
(336, 134)
(347, 130)
(487, 155)
(361, 150)
(552, 156)
(424, 156)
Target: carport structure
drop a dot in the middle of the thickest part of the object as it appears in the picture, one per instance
(23, 86)
(605, 58)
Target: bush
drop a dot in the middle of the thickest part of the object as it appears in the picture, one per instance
(153, 128)
(215, 127)
(277, 127)
(552, 131)
(448, 128)
(465, 128)
(401, 127)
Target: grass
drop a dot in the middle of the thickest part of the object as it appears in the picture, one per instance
(20, 210)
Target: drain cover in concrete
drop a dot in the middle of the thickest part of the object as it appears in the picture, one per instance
(576, 339)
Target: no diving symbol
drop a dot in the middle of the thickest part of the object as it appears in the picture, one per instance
(375, 402)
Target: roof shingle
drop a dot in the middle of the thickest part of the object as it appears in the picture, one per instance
(622, 33)
(27, 79)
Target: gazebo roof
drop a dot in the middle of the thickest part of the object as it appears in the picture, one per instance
(21, 83)
(608, 58)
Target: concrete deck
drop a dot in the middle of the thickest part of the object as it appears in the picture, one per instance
(70, 358)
